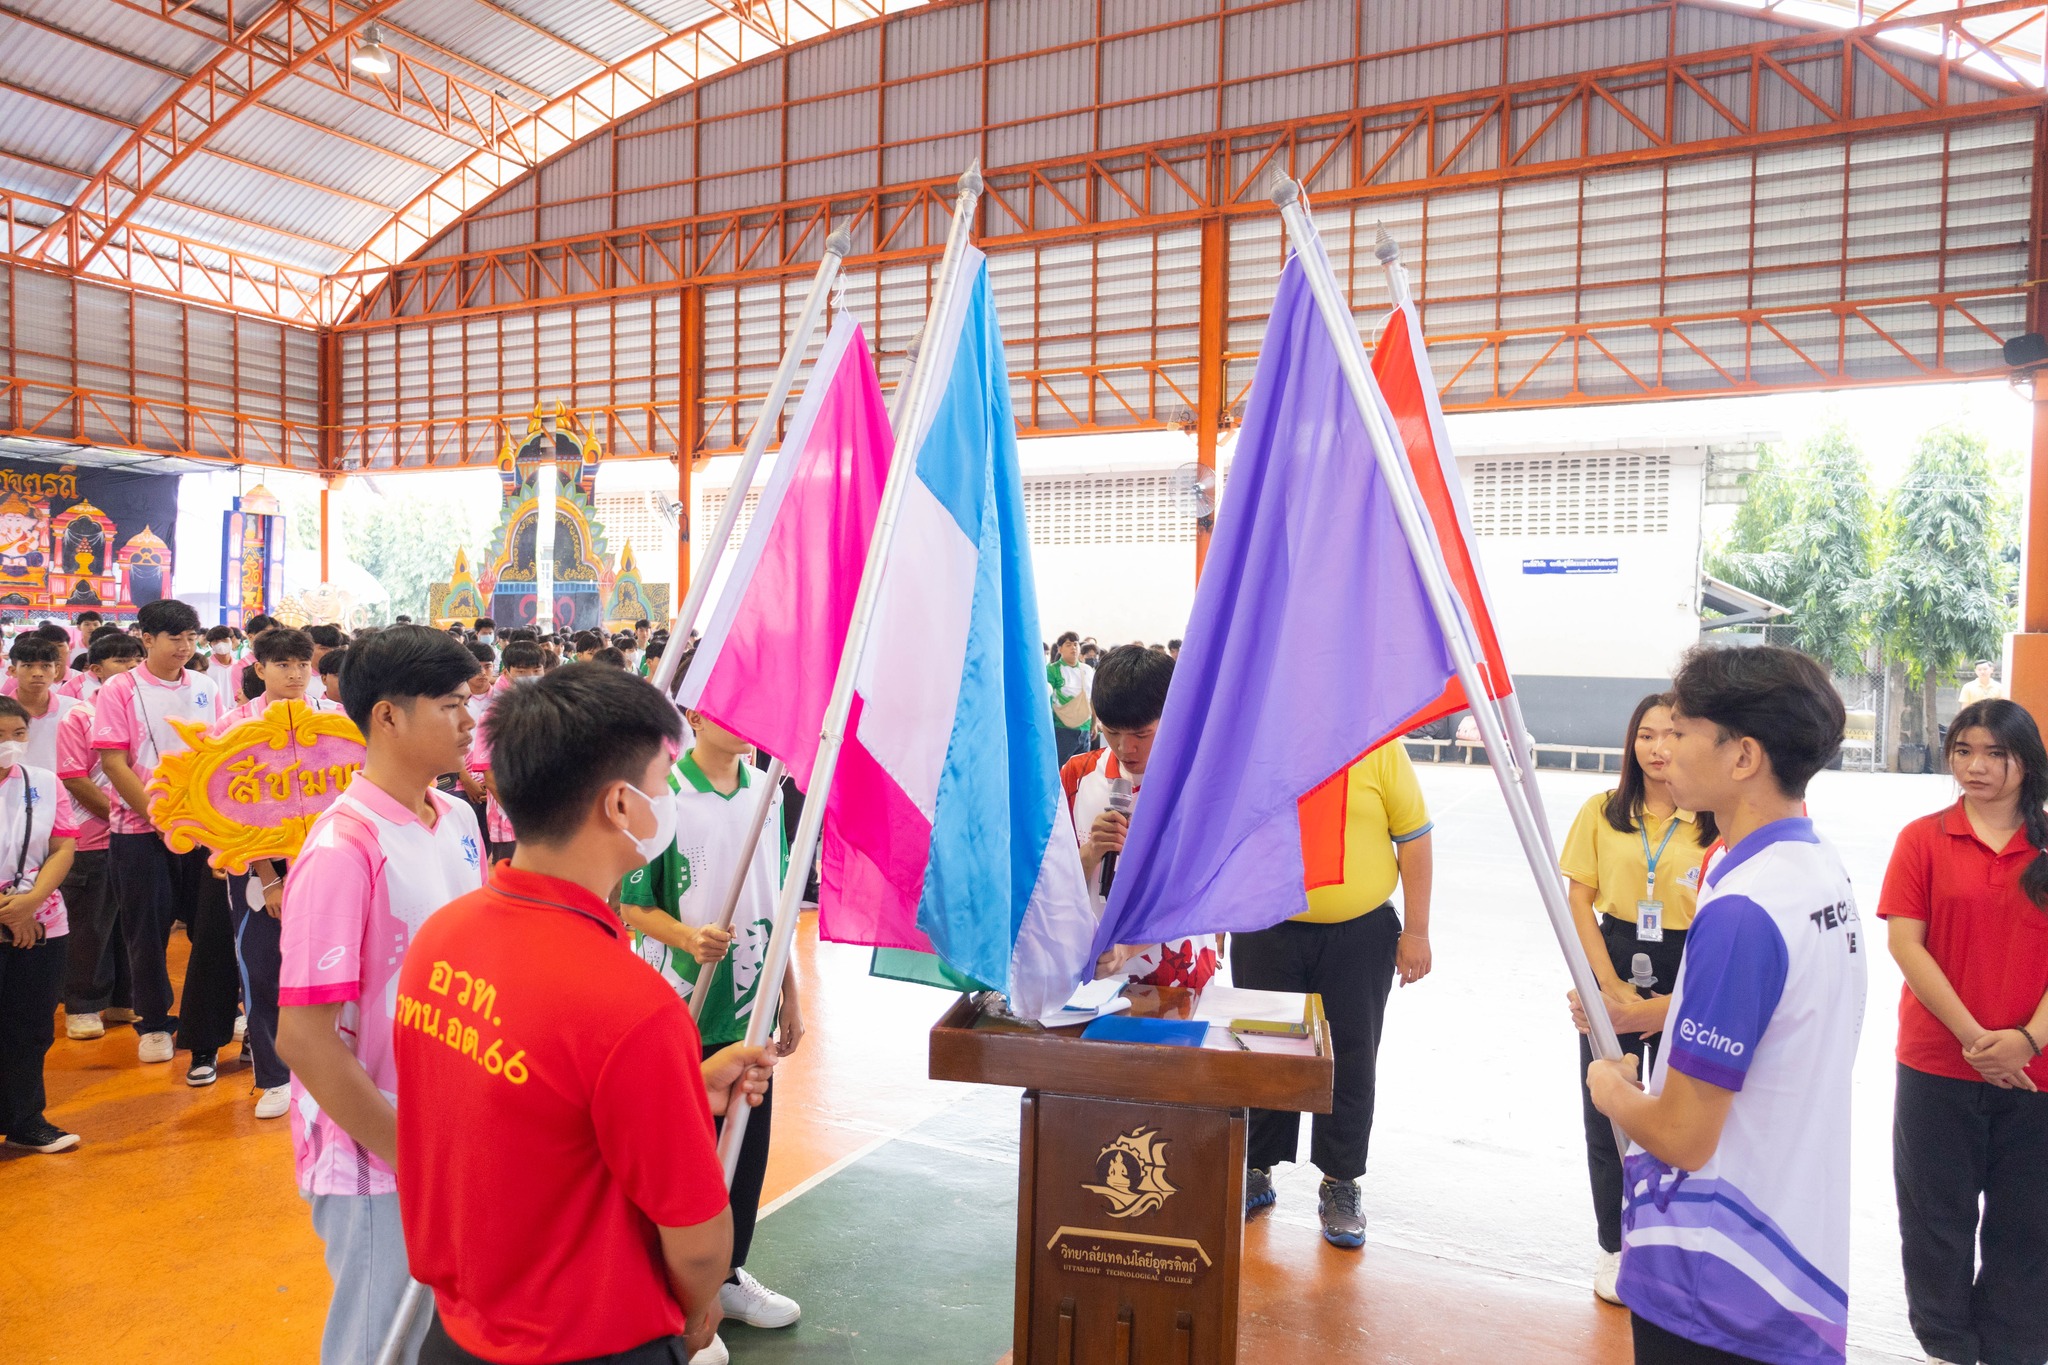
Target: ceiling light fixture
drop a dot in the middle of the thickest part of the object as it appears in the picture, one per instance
(370, 57)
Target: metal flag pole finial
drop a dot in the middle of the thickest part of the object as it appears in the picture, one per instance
(1444, 603)
(907, 418)
(837, 245)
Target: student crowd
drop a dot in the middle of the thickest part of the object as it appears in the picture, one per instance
(531, 817)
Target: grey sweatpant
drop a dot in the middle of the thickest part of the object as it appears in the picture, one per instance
(365, 1248)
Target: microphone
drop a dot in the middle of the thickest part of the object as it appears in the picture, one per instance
(1121, 799)
(1641, 976)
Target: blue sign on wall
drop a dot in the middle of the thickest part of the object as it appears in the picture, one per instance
(1571, 566)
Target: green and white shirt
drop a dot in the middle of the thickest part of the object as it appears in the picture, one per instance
(689, 882)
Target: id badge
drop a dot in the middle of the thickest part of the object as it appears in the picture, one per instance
(1649, 921)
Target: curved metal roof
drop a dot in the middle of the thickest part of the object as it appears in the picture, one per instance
(227, 151)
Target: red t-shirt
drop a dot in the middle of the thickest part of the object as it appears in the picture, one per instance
(1985, 935)
(554, 1116)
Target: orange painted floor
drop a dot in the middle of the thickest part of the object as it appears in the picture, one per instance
(174, 1234)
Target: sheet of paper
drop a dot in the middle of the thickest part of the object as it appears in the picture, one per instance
(1075, 1013)
(1225, 1003)
(1222, 1039)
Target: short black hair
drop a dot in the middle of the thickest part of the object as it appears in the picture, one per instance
(54, 633)
(402, 664)
(220, 633)
(1066, 636)
(167, 617)
(85, 616)
(252, 681)
(326, 636)
(115, 646)
(483, 654)
(262, 622)
(558, 742)
(1130, 687)
(656, 648)
(610, 655)
(331, 662)
(35, 649)
(10, 707)
(403, 620)
(588, 639)
(282, 646)
(484, 623)
(643, 621)
(1173, 644)
(102, 632)
(1776, 696)
(522, 654)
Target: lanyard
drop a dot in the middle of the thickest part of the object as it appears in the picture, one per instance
(1650, 859)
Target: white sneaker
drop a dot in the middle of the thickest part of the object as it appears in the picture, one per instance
(1606, 1270)
(756, 1304)
(241, 1027)
(154, 1047)
(714, 1354)
(274, 1103)
(84, 1026)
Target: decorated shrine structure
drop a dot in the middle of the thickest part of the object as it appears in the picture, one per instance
(592, 592)
(61, 554)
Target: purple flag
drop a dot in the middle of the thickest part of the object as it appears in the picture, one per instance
(1311, 641)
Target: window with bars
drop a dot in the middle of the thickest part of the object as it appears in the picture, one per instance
(714, 508)
(1564, 495)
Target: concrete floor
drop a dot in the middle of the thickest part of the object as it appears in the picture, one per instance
(174, 1234)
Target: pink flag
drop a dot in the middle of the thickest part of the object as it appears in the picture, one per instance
(765, 665)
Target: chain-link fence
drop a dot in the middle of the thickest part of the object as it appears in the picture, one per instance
(1867, 738)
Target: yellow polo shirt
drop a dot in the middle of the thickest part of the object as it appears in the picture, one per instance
(1382, 807)
(1598, 855)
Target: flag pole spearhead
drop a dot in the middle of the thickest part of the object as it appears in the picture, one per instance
(970, 181)
(840, 243)
(1385, 247)
(1285, 191)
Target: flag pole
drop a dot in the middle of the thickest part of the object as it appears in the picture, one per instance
(1343, 330)
(837, 247)
(914, 395)
(1522, 759)
(770, 781)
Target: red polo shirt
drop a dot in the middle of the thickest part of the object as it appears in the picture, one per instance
(554, 1116)
(1985, 935)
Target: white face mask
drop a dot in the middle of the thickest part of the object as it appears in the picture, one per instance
(655, 844)
(15, 750)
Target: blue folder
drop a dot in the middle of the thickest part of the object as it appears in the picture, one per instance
(1122, 1028)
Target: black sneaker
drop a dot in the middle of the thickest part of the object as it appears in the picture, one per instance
(43, 1137)
(203, 1070)
(1343, 1220)
(1258, 1191)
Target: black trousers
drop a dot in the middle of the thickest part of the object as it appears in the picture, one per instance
(155, 888)
(31, 979)
(440, 1349)
(1954, 1143)
(1655, 1346)
(1352, 966)
(1066, 743)
(1603, 1158)
(752, 1170)
(259, 951)
(96, 965)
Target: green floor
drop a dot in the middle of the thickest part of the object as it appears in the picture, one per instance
(904, 1256)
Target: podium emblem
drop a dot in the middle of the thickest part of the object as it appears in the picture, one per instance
(1133, 1173)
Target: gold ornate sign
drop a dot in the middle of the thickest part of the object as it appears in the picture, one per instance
(254, 790)
(1133, 1170)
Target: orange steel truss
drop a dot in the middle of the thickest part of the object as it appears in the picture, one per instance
(445, 325)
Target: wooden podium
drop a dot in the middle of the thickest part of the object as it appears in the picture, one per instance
(1130, 1187)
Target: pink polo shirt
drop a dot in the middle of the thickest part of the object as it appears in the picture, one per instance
(499, 827)
(368, 876)
(80, 684)
(133, 715)
(77, 758)
(50, 816)
(254, 707)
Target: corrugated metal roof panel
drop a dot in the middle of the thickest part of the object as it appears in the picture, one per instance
(40, 181)
(1151, 64)
(825, 127)
(933, 107)
(236, 193)
(171, 45)
(1041, 24)
(1588, 46)
(758, 86)
(334, 110)
(60, 137)
(844, 63)
(36, 59)
(934, 40)
(1042, 87)
(488, 41)
(268, 139)
(1303, 34)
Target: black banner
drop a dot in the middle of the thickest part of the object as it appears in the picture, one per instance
(76, 539)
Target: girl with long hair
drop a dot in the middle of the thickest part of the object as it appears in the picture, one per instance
(1632, 863)
(1966, 905)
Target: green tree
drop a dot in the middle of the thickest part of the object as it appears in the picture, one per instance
(1828, 545)
(1748, 555)
(407, 540)
(1942, 592)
